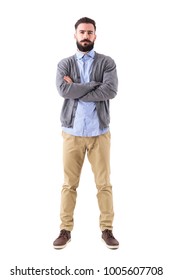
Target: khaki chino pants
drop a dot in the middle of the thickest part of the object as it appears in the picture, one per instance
(98, 151)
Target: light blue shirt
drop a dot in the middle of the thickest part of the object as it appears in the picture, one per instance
(86, 121)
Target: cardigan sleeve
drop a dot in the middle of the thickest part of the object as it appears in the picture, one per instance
(71, 90)
(108, 87)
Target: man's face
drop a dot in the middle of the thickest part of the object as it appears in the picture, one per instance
(85, 37)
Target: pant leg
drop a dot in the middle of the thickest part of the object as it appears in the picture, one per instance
(73, 158)
(99, 157)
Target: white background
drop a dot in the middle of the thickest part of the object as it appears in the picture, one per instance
(35, 35)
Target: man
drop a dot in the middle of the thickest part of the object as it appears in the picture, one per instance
(86, 81)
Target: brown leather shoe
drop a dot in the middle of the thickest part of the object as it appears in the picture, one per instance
(62, 240)
(109, 239)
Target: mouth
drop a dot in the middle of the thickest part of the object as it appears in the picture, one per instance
(86, 42)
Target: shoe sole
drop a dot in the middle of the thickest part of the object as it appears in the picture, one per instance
(113, 247)
(62, 246)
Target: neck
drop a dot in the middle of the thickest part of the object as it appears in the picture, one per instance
(82, 52)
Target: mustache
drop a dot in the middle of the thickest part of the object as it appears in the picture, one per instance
(85, 40)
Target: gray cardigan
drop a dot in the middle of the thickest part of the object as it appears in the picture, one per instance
(103, 86)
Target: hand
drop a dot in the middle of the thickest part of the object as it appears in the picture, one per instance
(68, 79)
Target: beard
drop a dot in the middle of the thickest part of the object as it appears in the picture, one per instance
(86, 48)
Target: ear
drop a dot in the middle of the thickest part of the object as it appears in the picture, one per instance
(75, 36)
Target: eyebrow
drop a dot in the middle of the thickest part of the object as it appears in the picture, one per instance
(86, 31)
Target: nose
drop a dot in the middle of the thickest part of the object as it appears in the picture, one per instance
(86, 36)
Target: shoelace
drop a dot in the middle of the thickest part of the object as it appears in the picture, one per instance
(109, 233)
(63, 233)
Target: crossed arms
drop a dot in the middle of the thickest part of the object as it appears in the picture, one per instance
(88, 92)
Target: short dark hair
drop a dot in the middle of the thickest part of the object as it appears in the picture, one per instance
(85, 20)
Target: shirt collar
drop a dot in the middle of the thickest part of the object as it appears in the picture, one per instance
(80, 55)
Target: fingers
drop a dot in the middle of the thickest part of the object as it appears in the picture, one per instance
(68, 79)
